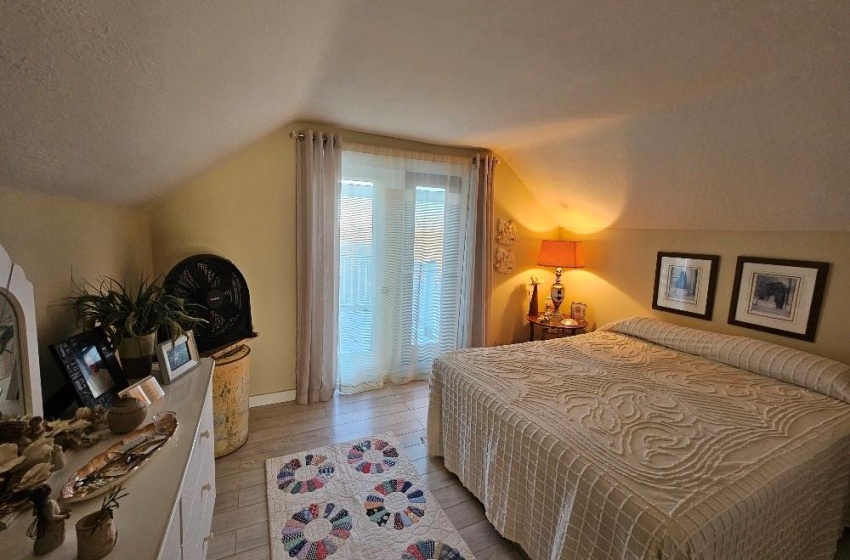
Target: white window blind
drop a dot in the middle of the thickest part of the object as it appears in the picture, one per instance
(404, 240)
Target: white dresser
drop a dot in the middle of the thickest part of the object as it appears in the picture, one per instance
(168, 512)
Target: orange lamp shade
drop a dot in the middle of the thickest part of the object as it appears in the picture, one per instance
(561, 254)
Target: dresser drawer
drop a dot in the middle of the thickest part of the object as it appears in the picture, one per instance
(198, 496)
(198, 512)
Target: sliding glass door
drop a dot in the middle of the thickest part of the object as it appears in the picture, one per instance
(403, 240)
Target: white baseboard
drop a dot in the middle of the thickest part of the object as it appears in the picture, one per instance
(271, 398)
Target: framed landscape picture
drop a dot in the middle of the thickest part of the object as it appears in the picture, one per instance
(177, 357)
(685, 284)
(778, 296)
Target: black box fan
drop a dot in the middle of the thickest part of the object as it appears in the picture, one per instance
(217, 285)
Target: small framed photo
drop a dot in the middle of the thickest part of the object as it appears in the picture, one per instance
(578, 311)
(685, 284)
(778, 296)
(177, 357)
(88, 362)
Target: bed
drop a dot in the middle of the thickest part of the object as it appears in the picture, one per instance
(647, 440)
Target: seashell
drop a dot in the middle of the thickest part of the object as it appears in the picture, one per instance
(12, 465)
(38, 452)
(8, 452)
(83, 413)
(35, 476)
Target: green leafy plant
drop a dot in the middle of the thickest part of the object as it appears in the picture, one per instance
(126, 313)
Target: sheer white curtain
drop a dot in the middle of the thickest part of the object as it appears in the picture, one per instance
(318, 165)
(407, 240)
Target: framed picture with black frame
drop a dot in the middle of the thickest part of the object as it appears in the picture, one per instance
(778, 296)
(685, 284)
(177, 357)
(89, 364)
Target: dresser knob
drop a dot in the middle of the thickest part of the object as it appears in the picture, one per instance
(209, 537)
(206, 487)
(205, 434)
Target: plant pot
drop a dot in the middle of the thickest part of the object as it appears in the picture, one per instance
(96, 536)
(137, 355)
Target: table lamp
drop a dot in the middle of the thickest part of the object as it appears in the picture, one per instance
(560, 254)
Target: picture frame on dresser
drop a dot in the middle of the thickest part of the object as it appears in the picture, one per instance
(778, 296)
(90, 366)
(685, 284)
(177, 357)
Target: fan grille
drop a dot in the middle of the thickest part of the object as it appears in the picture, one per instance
(216, 284)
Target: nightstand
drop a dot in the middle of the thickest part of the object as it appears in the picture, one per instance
(552, 330)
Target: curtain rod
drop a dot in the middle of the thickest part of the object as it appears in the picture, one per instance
(300, 136)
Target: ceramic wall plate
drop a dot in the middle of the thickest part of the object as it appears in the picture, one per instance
(116, 464)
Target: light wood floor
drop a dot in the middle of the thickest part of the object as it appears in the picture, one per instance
(240, 521)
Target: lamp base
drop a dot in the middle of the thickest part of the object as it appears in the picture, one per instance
(558, 295)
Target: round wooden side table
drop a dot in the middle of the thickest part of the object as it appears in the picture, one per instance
(554, 328)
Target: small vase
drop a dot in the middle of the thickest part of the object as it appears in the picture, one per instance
(533, 306)
(136, 355)
(126, 414)
(96, 536)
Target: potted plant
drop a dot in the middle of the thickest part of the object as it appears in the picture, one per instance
(96, 532)
(132, 317)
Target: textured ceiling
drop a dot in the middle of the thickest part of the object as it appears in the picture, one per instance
(654, 114)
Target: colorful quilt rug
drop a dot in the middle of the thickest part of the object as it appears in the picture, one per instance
(360, 500)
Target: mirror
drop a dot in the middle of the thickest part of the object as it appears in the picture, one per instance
(20, 376)
(11, 372)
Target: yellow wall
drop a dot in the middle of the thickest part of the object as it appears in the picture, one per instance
(619, 277)
(244, 210)
(53, 238)
(509, 302)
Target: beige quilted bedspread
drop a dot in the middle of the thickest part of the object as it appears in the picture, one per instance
(644, 440)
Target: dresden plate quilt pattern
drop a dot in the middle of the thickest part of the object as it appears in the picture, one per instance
(359, 500)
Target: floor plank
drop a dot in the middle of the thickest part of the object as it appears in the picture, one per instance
(465, 514)
(252, 536)
(222, 546)
(480, 536)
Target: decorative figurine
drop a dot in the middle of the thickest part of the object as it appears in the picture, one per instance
(505, 261)
(533, 306)
(505, 232)
(48, 528)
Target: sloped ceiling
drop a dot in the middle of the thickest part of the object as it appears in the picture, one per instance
(655, 114)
